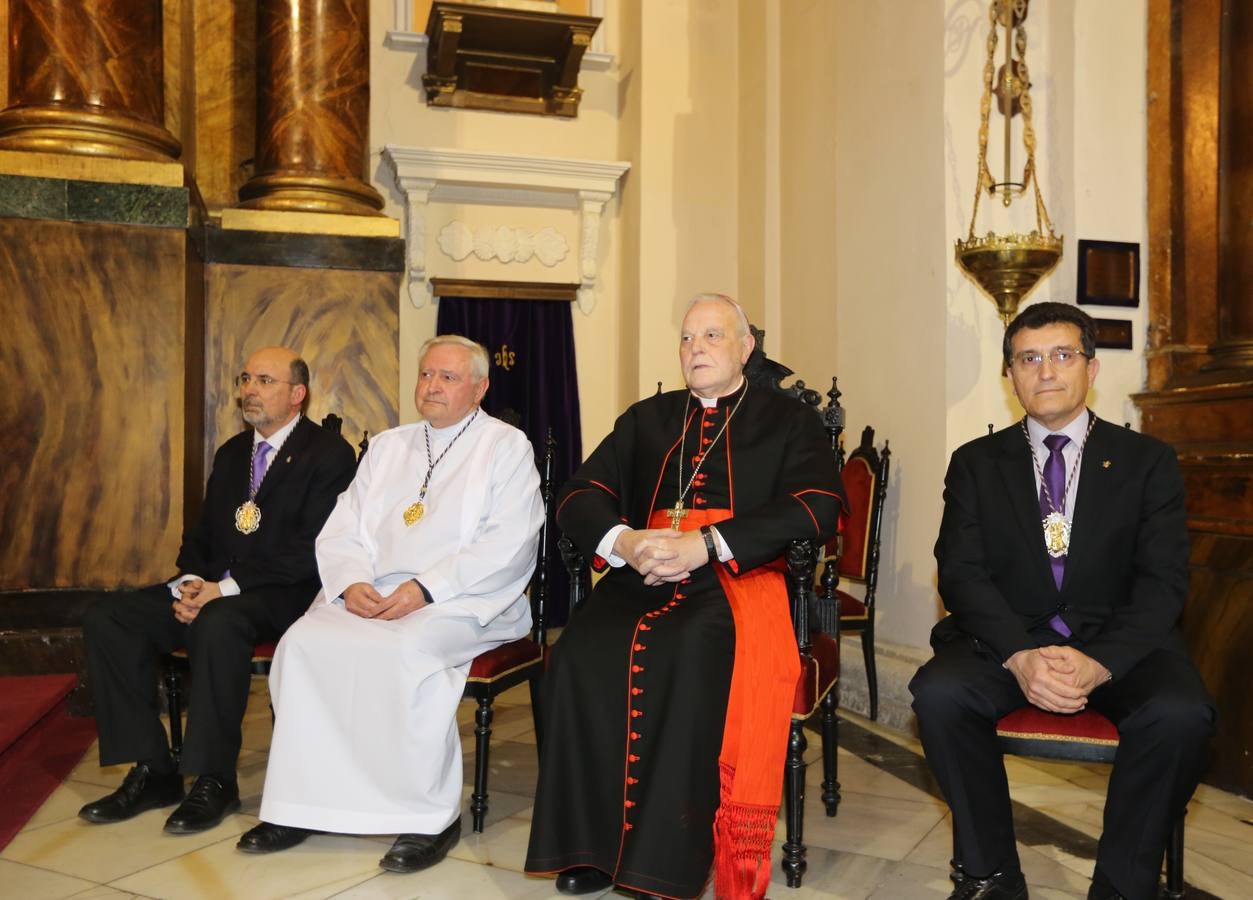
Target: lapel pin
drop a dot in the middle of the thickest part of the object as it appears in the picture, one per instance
(1105, 464)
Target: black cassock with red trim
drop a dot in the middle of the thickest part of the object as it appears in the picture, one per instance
(636, 693)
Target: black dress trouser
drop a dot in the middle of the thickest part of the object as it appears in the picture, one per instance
(1164, 717)
(127, 633)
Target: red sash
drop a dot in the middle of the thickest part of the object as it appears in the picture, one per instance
(759, 713)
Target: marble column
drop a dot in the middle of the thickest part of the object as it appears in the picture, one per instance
(85, 77)
(313, 101)
(1235, 190)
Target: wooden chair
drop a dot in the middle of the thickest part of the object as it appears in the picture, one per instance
(1087, 736)
(496, 671)
(855, 554)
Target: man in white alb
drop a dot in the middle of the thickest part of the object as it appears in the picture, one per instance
(424, 563)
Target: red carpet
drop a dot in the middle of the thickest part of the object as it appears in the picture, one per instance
(39, 744)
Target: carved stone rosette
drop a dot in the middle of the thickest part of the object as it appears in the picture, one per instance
(86, 78)
(313, 101)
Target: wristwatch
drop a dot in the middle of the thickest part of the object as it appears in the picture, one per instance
(707, 532)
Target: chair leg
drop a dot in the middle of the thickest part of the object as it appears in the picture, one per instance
(794, 864)
(830, 753)
(872, 676)
(1174, 861)
(174, 706)
(482, 741)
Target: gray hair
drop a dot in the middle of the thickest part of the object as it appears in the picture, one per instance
(479, 361)
(742, 327)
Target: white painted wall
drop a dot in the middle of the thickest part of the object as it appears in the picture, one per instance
(840, 218)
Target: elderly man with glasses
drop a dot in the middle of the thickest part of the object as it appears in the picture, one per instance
(246, 571)
(1063, 562)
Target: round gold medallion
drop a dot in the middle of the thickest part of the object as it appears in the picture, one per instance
(247, 517)
(1056, 534)
(415, 512)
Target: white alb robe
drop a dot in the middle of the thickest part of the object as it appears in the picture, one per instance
(365, 736)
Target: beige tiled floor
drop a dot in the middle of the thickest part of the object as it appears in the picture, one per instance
(890, 840)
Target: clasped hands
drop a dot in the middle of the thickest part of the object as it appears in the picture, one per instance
(660, 554)
(192, 595)
(1057, 678)
(361, 599)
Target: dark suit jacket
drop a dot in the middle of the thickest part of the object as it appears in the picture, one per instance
(298, 492)
(1127, 572)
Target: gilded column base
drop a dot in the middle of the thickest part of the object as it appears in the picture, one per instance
(85, 131)
(310, 192)
(1232, 355)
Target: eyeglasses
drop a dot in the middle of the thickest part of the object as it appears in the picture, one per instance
(243, 379)
(1060, 357)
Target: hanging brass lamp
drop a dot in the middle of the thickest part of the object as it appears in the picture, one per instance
(1008, 266)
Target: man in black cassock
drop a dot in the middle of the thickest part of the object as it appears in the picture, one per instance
(669, 696)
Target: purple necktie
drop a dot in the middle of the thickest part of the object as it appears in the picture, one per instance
(1055, 482)
(258, 466)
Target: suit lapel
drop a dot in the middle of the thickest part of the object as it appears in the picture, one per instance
(1016, 466)
(1093, 495)
(285, 457)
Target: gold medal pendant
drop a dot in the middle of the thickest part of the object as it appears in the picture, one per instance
(247, 517)
(415, 512)
(1056, 534)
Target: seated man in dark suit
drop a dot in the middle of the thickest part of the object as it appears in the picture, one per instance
(246, 572)
(1063, 562)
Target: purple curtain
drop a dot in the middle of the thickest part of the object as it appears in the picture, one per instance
(533, 385)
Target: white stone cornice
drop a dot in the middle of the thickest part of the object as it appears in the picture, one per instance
(428, 174)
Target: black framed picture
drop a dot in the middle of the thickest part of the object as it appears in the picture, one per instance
(1109, 273)
(1113, 334)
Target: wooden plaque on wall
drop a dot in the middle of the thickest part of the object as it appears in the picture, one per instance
(1109, 273)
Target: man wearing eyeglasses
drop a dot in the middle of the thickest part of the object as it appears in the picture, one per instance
(1063, 563)
(246, 571)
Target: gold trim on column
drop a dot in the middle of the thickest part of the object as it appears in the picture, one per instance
(310, 192)
(85, 132)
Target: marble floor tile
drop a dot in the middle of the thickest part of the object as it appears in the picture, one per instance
(502, 845)
(104, 892)
(1227, 803)
(31, 883)
(218, 870)
(886, 827)
(455, 879)
(103, 853)
(513, 767)
(890, 839)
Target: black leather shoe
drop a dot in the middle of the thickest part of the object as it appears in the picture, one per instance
(141, 790)
(270, 838)
(413, 852)
(1000, 886)
(583, 880)
(208, 802)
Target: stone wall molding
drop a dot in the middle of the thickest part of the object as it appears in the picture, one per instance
(426, 174)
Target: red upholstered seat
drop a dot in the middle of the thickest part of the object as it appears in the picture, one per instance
(1087, 736)
(820, 672)
(516, 659)
(850, 607)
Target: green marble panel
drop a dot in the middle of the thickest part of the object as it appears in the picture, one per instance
(60, 199)
(23, 197)
(126, 204)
